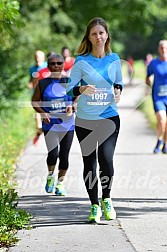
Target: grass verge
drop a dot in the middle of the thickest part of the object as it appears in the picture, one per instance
(14, 135)
(146, 107)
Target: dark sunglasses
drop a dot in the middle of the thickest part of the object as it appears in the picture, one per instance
(59, 63)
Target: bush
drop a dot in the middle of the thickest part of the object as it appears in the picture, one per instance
(11, 219)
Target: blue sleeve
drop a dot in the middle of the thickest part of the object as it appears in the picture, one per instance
(115, 71)
(75, 77)
(118, 78)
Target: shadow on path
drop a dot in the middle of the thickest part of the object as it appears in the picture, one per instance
(135, 207)
(60, 211)
(51, 210)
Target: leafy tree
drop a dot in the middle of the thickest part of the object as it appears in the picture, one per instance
(135, 27)
(9, 18)
(9, 22)
(130, 22)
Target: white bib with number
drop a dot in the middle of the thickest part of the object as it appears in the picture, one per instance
(58, 106)
(162, 90)
(103, 96)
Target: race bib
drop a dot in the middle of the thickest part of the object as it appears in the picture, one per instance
(102, 97)
(162, 90)
(58, 106)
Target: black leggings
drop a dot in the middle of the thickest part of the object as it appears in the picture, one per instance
(58, 145)
(98, 138)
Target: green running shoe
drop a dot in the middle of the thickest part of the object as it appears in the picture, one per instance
(109, 212)
(60, 190)
(49, 184)
(95, 214)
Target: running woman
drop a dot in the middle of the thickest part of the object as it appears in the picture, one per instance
(55, 106)
(96, 77)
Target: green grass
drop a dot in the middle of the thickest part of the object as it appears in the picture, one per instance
(139, 70)
(17, 127)
(146, 107)
(15, 131)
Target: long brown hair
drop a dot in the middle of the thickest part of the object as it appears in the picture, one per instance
(86, 46)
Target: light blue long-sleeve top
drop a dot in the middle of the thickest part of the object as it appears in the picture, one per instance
(103, 73)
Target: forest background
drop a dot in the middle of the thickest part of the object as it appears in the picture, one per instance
(135, 26)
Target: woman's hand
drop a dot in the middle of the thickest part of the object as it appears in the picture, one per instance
(74, 106)
(87, 90)
(46, 117)
(69, 110)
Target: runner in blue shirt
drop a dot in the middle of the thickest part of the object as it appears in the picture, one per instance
(55, 106)
(96, 77)
(158, 68)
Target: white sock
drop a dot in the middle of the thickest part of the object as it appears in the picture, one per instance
(59, 182)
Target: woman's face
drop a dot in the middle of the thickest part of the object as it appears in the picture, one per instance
(56, 65)
(98, 36)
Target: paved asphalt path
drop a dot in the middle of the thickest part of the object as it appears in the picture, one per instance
(139, 194)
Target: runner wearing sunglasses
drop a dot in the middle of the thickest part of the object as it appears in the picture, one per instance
(55, 106)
